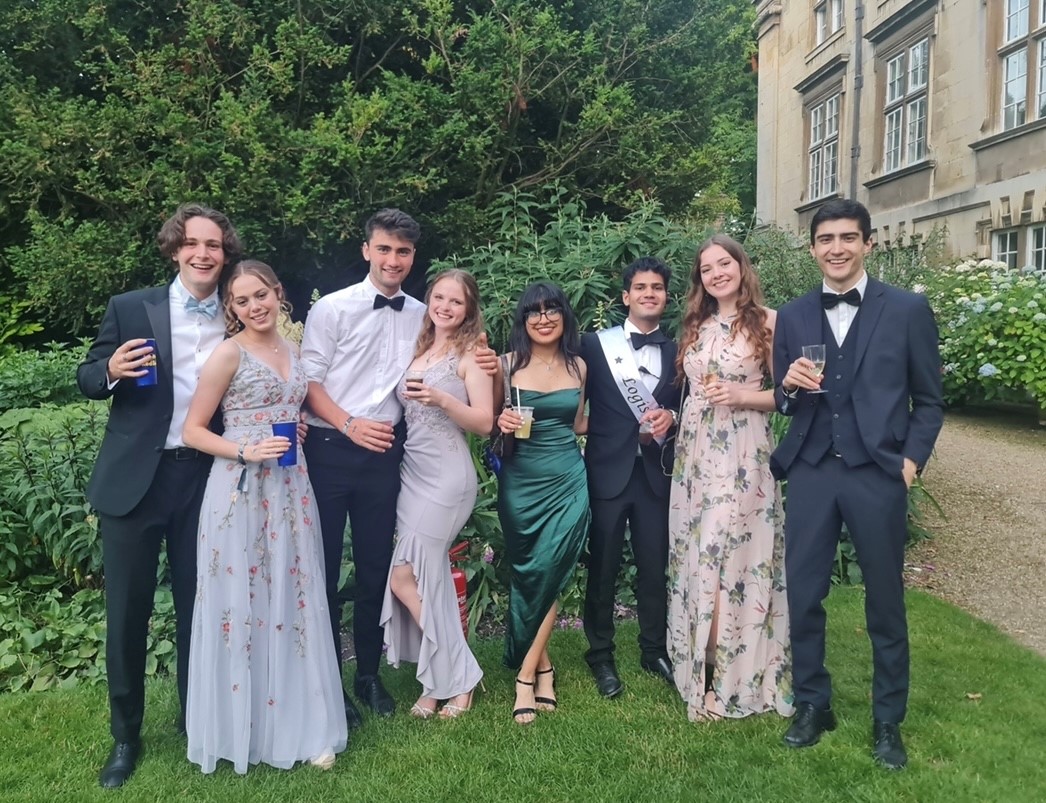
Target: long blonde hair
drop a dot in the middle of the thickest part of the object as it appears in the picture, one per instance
(264, 274)
(471, 328)
(700, 306)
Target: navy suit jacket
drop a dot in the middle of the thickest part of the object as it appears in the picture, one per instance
(897, 393)
(139, 418)
(613, 431)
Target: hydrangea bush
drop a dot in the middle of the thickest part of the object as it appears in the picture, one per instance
(992, 320)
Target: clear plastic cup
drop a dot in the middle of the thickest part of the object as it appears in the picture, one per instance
(527, 414)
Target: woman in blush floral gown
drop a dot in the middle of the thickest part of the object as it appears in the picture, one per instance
(728, 615)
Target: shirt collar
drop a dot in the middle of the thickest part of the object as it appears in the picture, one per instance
(370, 286)
(180, 293)
(861, 285)
(631, 327)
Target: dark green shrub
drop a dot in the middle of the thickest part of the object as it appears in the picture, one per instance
(49, 639)
(30, 378)
(46, 524)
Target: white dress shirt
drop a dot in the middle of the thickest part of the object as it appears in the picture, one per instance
(193, 338)
(359, 353)
(842, 315)
(647, 357)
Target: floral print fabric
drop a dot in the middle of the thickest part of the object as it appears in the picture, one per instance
(726, 544)
(264, 684)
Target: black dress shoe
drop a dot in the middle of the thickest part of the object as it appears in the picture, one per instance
(120, 764)
(887, 746)
(661, 668)
(353, 718)
(607, 681)
(373, 695)
(808, 725)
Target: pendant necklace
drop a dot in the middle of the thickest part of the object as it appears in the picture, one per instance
(434, 354)
(548, 364)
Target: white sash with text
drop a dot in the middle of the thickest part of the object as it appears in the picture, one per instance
(621, 360)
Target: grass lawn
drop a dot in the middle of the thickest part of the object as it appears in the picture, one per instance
(976, 731)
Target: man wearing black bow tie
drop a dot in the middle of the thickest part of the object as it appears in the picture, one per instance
(860, 432)
(358, 342)
(147, 486)
(631, 369)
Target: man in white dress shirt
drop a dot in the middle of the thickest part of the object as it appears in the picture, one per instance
(357, 344)
(147, 486)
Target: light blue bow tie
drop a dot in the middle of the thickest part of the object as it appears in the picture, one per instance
(208, 309)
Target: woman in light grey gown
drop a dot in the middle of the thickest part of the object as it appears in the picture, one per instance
(444, 393)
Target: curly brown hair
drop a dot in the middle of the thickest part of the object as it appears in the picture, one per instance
(700, 306)
(471, 328)
(172, 233)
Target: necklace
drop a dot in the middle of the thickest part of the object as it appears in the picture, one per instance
(432, 355)
(547, 363)
(275, 349)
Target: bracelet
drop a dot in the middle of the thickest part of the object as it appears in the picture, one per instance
(345, 426)
(239, 455)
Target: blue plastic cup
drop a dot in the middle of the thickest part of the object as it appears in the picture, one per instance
(288, 430)
(149, 366)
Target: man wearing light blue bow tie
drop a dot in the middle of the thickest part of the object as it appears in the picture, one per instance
(147, 486)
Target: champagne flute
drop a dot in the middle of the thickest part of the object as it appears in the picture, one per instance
(815, 354)
(711, 375)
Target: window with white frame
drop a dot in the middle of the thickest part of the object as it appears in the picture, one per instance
(1037, 243)
(1004, 247)
(828, 18)
(1022, 62)
(905, 110)
(823, 151)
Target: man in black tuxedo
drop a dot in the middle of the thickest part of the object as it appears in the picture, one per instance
(146, 484)
(631, 373)
(860, 432)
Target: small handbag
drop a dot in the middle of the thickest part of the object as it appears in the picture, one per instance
(501, 444)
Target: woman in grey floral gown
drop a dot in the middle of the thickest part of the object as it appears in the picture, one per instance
(263, 677)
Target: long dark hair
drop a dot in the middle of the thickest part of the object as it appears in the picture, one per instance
(543, 296)
(700, 306)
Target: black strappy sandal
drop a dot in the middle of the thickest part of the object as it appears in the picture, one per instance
(518, 712)
(550, 703)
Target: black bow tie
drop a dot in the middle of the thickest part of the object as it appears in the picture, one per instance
(832, 300)
(382, 301)
(654, 338)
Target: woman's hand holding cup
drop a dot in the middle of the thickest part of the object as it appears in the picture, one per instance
(509, 420)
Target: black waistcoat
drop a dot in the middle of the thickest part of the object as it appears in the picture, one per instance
(834, 426)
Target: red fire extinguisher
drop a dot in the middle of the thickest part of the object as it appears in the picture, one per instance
(458, 553)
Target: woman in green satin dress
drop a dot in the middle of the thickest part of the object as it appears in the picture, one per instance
(542, 492)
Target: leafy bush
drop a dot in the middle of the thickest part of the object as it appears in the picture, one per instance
(46, 524)
(30, 378)
(992, 322)
(49, 639)
(557, 241)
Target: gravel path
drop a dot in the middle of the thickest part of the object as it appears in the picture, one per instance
(988, 554)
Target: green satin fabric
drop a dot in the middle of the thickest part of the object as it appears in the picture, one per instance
(543, 507)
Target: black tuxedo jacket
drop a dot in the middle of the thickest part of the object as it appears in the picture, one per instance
(896, 393)
(139, 418)
(613, 431)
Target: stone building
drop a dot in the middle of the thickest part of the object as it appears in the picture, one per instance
(929, 112)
